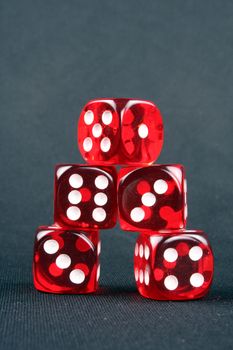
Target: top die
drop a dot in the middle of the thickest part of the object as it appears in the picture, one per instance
(120, 131)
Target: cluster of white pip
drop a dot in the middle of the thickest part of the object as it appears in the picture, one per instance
(170, 255)
(97, 131)
(75, 197)
(63, 261)
(148, 199)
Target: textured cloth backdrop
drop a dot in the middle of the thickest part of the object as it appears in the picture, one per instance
(56, 55)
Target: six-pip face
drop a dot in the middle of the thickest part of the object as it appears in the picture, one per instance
(85, 197)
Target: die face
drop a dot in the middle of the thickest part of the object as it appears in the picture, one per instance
(120, 131)
(172, 267)
(141, 132)
(66, 261)
(85, 197)
(152, 198)
(99, 132)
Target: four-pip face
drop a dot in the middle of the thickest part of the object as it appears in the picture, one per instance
(120, 131)
(173, 265)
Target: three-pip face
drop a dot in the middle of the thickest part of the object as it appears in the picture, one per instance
(120, 131)
(152, 198)
(66, 260)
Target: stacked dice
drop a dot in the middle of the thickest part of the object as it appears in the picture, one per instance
(170, 262)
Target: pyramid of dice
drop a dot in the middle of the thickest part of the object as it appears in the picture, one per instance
(170, 262)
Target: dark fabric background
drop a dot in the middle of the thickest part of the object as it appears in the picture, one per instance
(55, 56)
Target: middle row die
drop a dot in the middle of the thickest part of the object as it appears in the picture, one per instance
(148, 198)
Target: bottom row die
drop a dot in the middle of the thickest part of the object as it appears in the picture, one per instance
(66, 261)
(173, 265)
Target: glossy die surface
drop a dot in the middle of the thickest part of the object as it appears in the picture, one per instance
(152, 198)
(173, 267)
(85, 196)
(66, 261)
(120, 131)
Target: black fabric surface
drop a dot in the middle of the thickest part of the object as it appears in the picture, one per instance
(55, 56)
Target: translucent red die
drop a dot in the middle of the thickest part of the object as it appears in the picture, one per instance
(173, 267)
(85, 196)
(152, 198)
(120, 131)
(66, 261)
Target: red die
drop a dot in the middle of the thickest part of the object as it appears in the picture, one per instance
(152, 198)
(120, 131)
(85, 197)
(173, 267)
(66, 261)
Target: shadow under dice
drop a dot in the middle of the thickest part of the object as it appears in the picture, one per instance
(152, 198)
(85, 196)
(173, 267)
(120, 131)
(66, 261)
